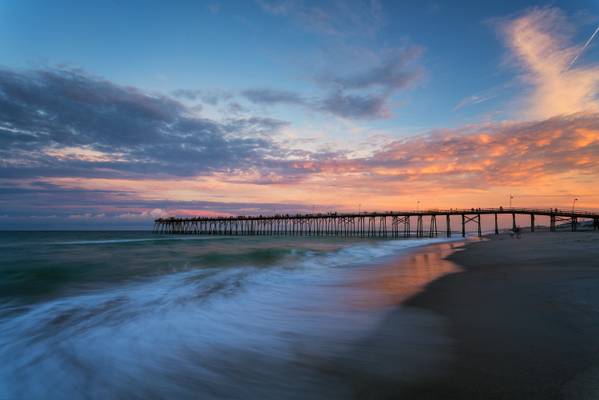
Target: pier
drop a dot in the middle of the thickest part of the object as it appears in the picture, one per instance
(372, 224)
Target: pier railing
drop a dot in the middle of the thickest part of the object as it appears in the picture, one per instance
(418, 223)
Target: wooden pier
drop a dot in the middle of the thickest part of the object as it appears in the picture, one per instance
(370, 224)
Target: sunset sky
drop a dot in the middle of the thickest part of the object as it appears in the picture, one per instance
(113, 113)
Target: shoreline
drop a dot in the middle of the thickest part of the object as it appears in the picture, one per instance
(409, 343)
(523, 319)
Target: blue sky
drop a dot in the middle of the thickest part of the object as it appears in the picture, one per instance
(239, 45)
(309, 81)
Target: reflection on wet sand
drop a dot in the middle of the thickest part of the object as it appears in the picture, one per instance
(407, 343)
(399, 279)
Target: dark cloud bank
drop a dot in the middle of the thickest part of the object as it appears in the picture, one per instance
(150, 133)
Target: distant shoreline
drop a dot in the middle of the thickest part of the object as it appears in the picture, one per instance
(523, 317)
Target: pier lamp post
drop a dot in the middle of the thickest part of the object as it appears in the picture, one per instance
(574, 204)
(511, 198)
(418, 205)
(359, 208)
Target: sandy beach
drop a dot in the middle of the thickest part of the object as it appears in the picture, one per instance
(522, 317)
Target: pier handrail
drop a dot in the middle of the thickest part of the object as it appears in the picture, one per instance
(452, 211)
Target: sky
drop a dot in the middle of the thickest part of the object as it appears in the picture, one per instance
(115, 113)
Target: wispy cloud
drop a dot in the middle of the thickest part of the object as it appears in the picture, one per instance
(347, 105)
(473, 100)
(335, 18)
(393, 69)
(362, 76)
(273, 96)
(478, 98)
(211, 97)
(541, 46)
(363, 93)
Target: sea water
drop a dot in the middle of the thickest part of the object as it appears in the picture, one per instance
(110, 315)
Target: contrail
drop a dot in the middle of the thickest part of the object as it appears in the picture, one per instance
(583, 48)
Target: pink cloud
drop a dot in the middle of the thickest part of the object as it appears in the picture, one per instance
(564, 148)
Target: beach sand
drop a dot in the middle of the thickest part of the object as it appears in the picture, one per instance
(522, 317)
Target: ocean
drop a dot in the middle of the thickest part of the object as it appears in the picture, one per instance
(132, 315)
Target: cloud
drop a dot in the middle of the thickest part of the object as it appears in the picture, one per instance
(111, 130)
(361, 80)
(363, 93)
(234, 108)
(68, 124)
(487, 156)
(336, 19)
(540, 45)
(211, 97)
(356, 106)
(278, 7)
(254, 127)
(339, 102)
(394, 69)
(480, 97)
(472, 100)
(214, 7)
(272, 96)
(552, 156)
(79, 148)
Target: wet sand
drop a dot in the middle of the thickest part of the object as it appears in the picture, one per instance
(522, 319)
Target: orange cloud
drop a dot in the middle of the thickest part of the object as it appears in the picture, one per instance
(475, 166)
(508, 153)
